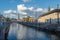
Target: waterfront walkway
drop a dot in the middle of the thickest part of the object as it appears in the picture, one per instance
(46, 26)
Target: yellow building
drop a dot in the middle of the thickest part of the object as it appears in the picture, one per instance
(54, 14)
(24, 19)
(31, 19)
(28, 19)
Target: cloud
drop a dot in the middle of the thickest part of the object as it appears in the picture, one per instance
(31, 11)
(23, 13)
(31, 8)
(22, 9)
(52, 9)
(9, 11)
(39, 9)
(42, 10)
(26, 0)
(12, 16)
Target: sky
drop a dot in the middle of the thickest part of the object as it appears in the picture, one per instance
(26, 7)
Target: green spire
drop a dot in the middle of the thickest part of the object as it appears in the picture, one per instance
(48, 8)
(57, 6)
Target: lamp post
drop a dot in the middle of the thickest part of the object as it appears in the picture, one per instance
(50, 20)
(58, 17)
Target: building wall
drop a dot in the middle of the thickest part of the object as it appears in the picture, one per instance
(31, 19)
(44, 18)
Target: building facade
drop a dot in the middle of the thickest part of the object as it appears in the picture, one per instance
(50, 16)
(30, 19)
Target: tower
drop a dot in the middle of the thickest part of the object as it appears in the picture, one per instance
(18, 17)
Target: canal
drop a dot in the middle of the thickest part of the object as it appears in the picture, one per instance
(20, 32)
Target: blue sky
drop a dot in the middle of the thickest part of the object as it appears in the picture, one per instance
(12, 4)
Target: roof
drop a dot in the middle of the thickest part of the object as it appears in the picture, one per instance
(55, 10)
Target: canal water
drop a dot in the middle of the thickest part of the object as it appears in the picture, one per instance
(20, 32)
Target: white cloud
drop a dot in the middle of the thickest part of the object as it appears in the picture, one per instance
(9, 11)
(52, 8)
(39, 9)
(22, 9)
(23, 13)
(42, 10)
(26, 0)
(31, 8)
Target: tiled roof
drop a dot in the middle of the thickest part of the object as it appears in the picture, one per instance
(55, 10)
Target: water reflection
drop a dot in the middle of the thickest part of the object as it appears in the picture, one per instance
(19, 32)
(13, 32)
